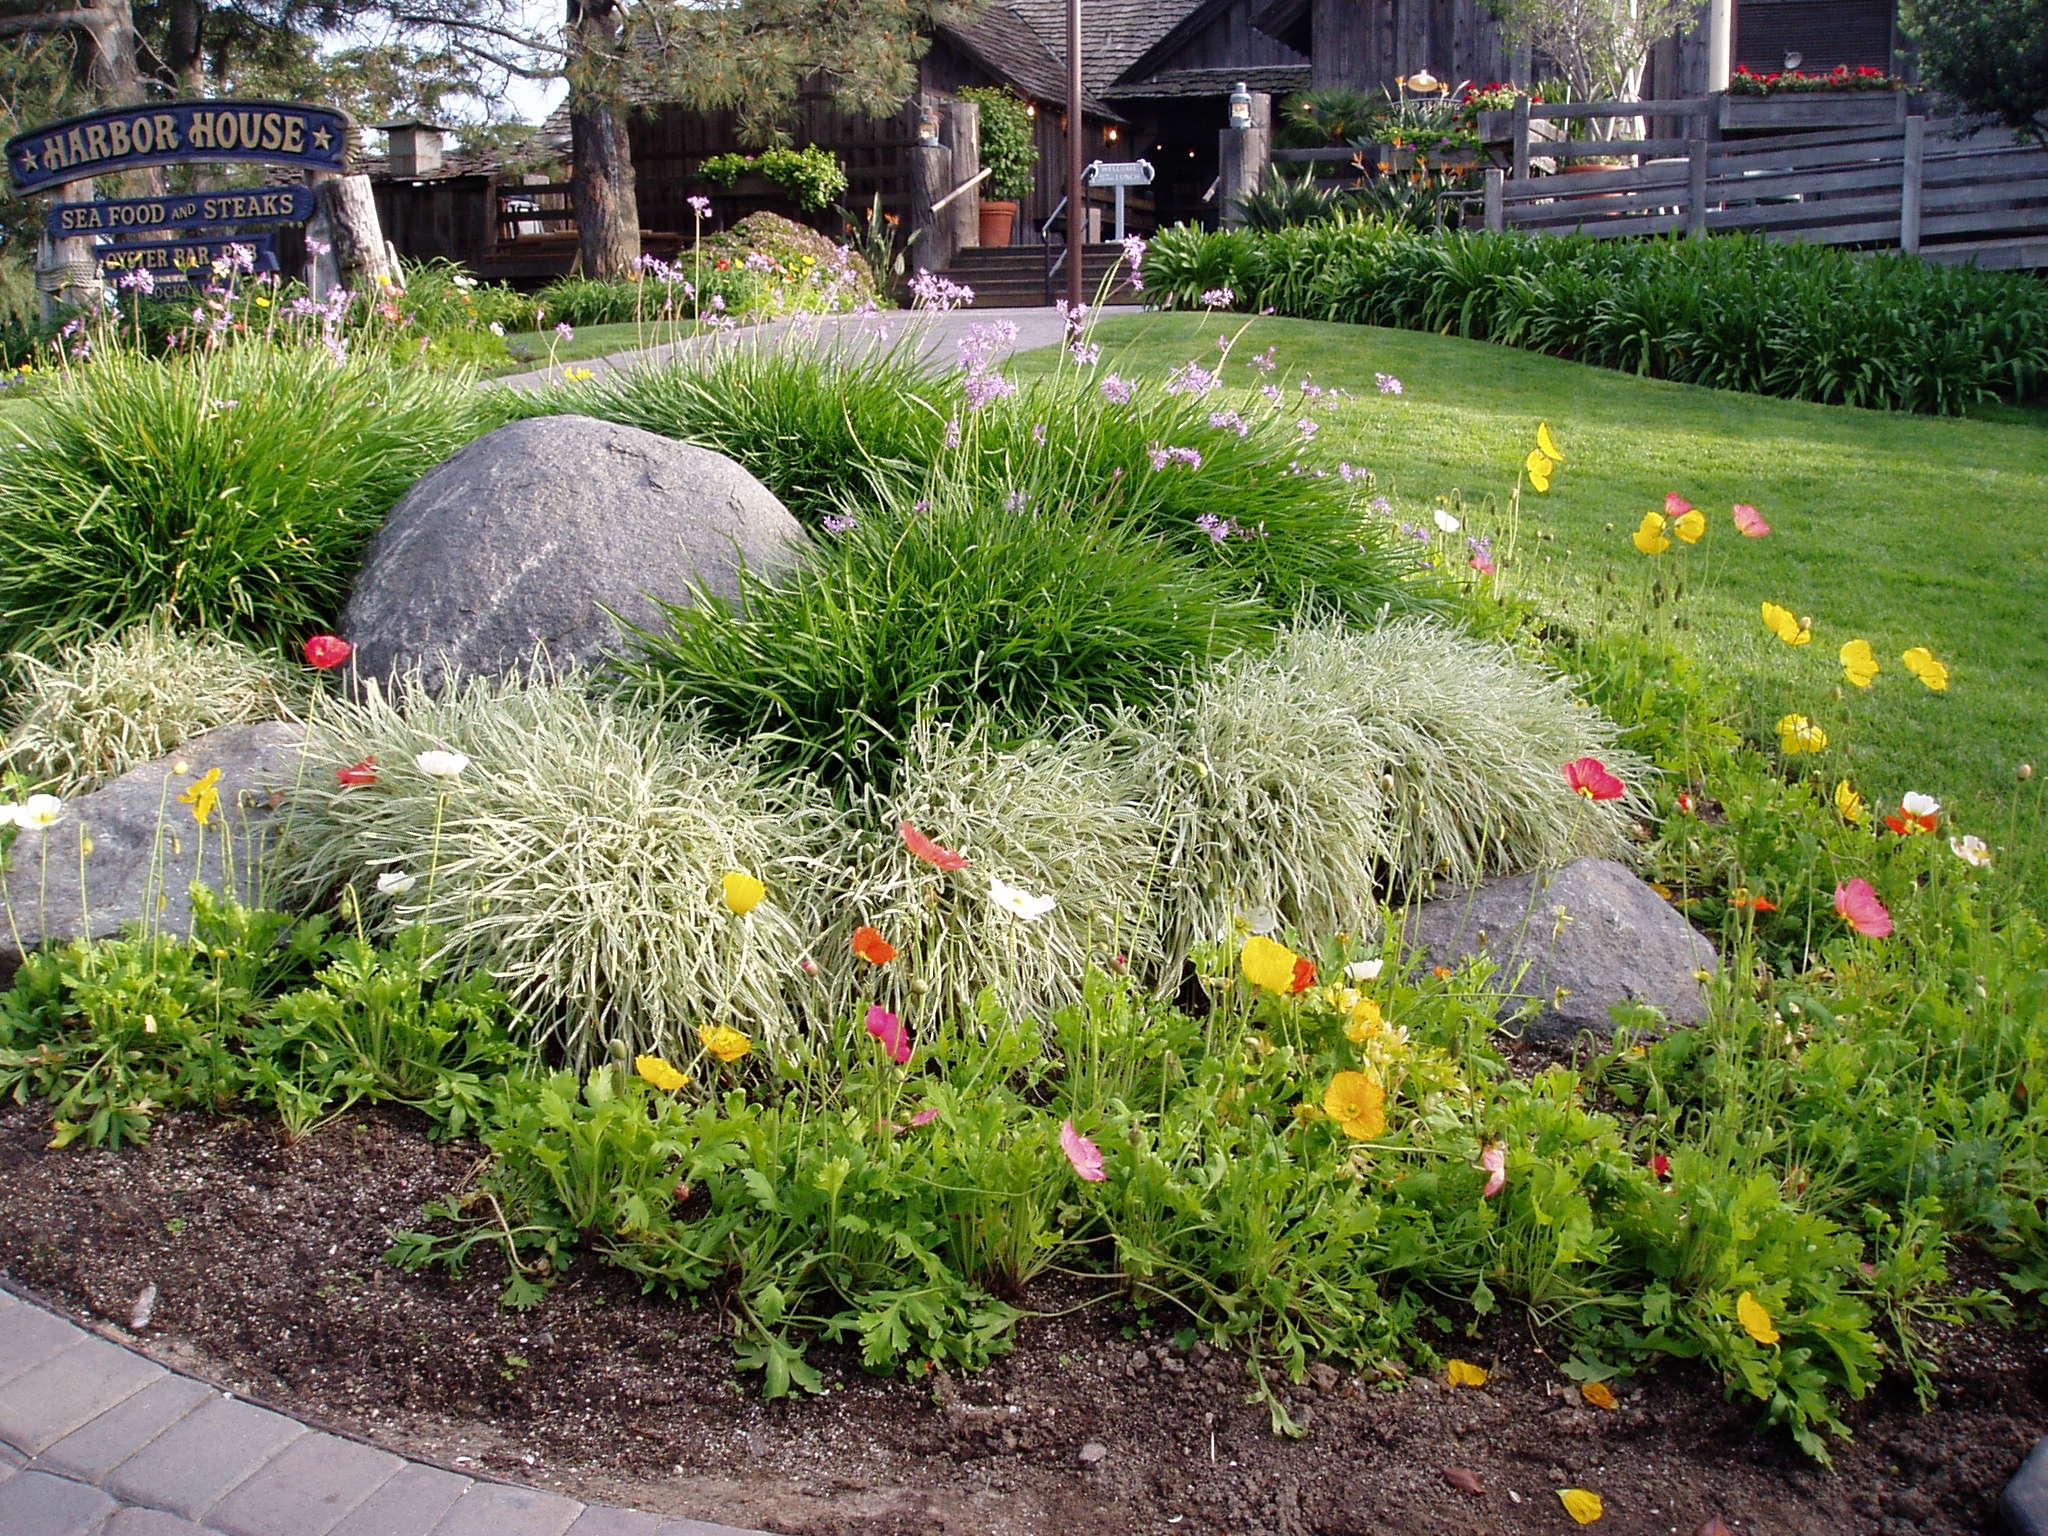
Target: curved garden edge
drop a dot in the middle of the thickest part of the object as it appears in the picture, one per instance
(271, 1285)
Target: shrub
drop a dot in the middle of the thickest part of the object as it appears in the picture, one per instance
(1732, 312)
(233, 490)
(1991, 55)
(1281, 200)
(1304, 788)
(1009, 143)
(961, 609)
(1017, 814)
(812, 176)
(578, 858)
(134, 697)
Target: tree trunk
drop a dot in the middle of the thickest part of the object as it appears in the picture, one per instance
(105, 62)
(183, 48)
(601, 183)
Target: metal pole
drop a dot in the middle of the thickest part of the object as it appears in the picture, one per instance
(1720, 43)
(1076, 220)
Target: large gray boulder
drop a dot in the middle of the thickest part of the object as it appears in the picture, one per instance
(142, 847)
(534, 535)
(1591, 935)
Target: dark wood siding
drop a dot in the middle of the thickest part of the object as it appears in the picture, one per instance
(1824, 33)
(1370, 43)
(1229, 42)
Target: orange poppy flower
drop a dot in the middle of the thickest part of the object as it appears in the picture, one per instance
(872, 947)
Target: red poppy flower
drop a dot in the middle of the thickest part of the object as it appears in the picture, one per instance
(358, 774)
(929, 851)
(872, 947)
(1660, 1165)
(1304, 974)
(1588, 776)
(1909, 823)
(1686, 804)
(327, 652)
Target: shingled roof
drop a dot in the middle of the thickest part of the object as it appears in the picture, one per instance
(1114, 33)
(1002, 41)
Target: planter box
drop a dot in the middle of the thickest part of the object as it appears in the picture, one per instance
(1814, 109)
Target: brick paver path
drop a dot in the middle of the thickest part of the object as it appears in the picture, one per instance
(95, 1440)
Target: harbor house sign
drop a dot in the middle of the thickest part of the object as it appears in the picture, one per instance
(314, 139)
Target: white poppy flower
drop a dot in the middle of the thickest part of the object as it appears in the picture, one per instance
(1018, 903)
(441, 765)
(392, 883)
(1446, 521)
(1918, 804)
(36, 812)
(1364, 970)
(1971, 849)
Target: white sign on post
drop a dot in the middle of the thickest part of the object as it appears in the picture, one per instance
(1119, 174)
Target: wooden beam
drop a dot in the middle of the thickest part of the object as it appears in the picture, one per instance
(1909, 184)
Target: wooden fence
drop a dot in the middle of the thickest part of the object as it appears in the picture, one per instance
(1910, 183)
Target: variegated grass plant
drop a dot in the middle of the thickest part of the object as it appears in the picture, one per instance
(1305, 787)
(1061, 818)
(577, 856)
(95, 712)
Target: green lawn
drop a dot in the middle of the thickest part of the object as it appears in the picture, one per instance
(1903, 530)
(531, 348)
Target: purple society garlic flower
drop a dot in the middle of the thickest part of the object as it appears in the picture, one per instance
(1117, 390)
(838, 523)
(1389, 385)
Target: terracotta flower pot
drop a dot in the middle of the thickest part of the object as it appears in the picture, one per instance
(998, 219)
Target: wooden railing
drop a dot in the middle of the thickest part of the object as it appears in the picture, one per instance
(1911, 184)
(535, 212)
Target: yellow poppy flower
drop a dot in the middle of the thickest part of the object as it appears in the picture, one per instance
(1859, 663)
(1921, 663)
(1358, 1104)
(1797, 734)
(1599, 1394)
(1756, 1322)
(1463, 1373)
(1268, 964)
(1362, 1021)
(724, 1042)
(1649, 535)
(742, 892)
(203, 796)
(1780, 622)
(1691, 526)
(1539, 469)
(1546, 444)
(658, 1072)
(1849, 804)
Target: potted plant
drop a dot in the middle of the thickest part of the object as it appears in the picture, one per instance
(1601, 47)
(1009, 151)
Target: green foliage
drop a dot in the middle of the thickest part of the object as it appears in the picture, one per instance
(1329, 116)
(1990, 55)
(1348, 769)
(812, 176)
(577, 860)
(131, 698)
(255, 1006)
(1281, 200)
(964, 609)
(232, 490)
(1009, 141)
(1734, 312)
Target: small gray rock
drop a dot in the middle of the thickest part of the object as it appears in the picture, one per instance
(1093, 1454)
(2024, 1504)
(1591, 934)
(535, 534)
(146, 849)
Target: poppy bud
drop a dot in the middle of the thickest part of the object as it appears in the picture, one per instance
(2026, 772)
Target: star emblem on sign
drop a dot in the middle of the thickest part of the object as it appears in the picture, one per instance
(322, 138)
(28, 161)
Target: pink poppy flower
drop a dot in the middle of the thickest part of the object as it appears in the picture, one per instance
(929, 851)
(1749, 522)
(1675, 505)
(356, 775)
(1493, 1157)
(1082, 1153)
(1588, 776)
(924, 1117)
(889, 1030)
(327, 652)
(1860, 908)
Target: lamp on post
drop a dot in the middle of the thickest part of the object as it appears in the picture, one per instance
(1076, 212)
(1240, 107)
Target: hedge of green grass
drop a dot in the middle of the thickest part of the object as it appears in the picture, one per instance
(1734, 311)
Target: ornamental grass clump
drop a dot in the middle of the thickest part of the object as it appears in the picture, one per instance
(575, 847)
(99, 710)
(1006, 870)
(956, 611)
(231, 489)
(1305, 787)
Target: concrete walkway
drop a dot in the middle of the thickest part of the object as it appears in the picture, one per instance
(936, 336)
(96, 1440)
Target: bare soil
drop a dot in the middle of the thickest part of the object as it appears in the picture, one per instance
(266, 1259)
